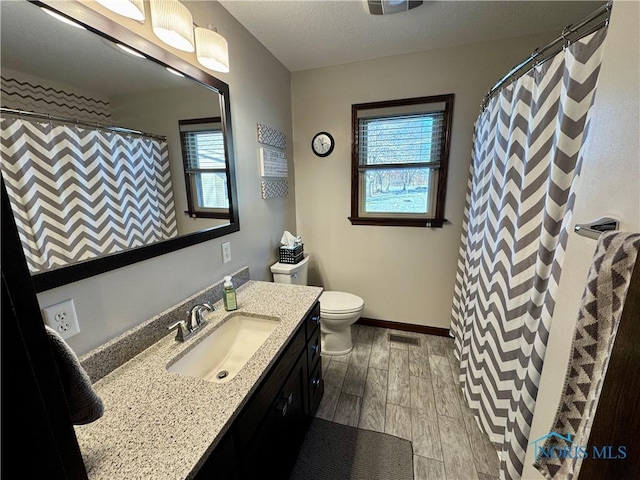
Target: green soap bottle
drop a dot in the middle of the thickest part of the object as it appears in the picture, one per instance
(229, 295)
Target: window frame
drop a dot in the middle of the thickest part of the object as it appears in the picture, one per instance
(193, 210)
(404, 220)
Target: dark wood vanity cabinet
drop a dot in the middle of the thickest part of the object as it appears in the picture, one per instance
(315, 384)
(265, 438)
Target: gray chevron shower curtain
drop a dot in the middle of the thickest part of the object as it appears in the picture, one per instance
(78, 192)
(525, 163)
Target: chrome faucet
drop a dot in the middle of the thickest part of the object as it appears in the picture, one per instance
(196, 315)
(195, 320)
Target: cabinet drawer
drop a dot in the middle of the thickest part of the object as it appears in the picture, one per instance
(313, 350)
(316, 388)
(313, 320)
(257, 408)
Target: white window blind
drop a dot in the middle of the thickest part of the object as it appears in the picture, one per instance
(402, 140)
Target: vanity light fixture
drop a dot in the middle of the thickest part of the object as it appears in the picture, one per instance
(63, 19)
(212, 50)
(172, 23)
(175, 72)
(133, 9)
(130, 51)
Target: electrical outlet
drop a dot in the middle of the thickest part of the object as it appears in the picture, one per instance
(62, 318)
(226, 252)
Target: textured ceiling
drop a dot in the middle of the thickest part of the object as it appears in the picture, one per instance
(305, 34)
(34, 43)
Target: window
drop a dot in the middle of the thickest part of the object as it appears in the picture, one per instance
(205, 167)
(399, 161)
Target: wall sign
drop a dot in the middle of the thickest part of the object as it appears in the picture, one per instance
(273, 163)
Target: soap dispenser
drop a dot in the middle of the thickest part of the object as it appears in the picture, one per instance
(229, 295)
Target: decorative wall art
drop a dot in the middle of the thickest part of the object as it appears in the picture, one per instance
(274, 188)
(273, 163)
(271, 136)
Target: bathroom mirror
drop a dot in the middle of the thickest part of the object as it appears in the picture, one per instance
(82, 82)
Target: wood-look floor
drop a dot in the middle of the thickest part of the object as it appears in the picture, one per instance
(409, 391)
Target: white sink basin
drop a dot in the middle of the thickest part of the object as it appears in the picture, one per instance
(220, 355)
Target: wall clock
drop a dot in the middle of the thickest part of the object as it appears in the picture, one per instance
(322, 144)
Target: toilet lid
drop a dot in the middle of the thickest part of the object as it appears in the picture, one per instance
(340, 302)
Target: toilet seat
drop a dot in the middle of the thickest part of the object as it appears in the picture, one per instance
(340, 303)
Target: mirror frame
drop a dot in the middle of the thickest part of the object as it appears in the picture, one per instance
(115, 32)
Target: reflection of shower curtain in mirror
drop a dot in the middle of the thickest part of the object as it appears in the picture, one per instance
(78, 193)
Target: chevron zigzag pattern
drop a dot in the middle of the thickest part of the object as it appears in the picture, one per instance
(525, 164)
(113, 191)
(593, 338)
(31, 96)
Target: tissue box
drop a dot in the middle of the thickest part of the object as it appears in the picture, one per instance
(292, 255)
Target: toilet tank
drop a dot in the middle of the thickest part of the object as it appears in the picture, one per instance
(292, 274)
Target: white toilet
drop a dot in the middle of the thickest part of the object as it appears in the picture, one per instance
(338, 310)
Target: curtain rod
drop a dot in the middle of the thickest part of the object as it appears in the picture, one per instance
(535, 57)
(75, 121)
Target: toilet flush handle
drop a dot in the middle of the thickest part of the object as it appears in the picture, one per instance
(294, 275)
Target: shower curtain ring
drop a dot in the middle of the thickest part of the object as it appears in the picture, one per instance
(534, 55)
(565, 33)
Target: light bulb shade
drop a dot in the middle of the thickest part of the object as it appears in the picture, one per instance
(128, 8)
(212, 50)
(172, 23)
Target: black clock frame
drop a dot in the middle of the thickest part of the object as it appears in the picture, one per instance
(328, 152)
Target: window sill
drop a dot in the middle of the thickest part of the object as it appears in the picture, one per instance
(399, 222)
(221, 216)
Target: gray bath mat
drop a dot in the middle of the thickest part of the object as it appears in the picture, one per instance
(332, 451)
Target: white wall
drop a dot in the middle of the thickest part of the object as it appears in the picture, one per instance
(404, 274)
(113, 302)
(609, 186)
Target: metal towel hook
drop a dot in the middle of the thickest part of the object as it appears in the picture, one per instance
(596, 228)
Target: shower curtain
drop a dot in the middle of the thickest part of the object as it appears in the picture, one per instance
(79, 192)
(525, 163)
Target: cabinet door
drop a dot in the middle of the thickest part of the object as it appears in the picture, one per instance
(262, 401)
(313, 350)
(221, 463)
(274, 448)
(315, 388)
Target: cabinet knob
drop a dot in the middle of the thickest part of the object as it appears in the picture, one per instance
(314, 348)
(316, 318)
(315, 382)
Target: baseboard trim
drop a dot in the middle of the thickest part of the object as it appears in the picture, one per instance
(405, 327)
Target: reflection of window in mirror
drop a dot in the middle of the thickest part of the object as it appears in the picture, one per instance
(205, 167)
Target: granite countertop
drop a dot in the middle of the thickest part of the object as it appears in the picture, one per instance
(162, 425)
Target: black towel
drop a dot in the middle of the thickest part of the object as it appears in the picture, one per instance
(85, 406)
